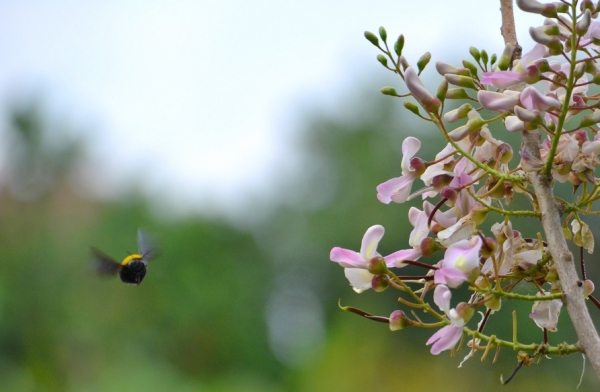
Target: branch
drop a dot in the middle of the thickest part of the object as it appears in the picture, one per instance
(573, 298)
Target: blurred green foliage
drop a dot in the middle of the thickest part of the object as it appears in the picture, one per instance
(224, 309)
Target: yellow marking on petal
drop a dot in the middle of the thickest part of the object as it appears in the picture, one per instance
(130, 258)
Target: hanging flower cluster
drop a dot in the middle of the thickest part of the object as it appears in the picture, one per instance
(476, 175)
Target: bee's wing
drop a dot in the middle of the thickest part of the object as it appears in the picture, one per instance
(146, 245)
(103, 263)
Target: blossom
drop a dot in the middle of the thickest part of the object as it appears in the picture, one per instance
(356, 264)
(398, 189)
(545, 313)
(460, 260)
(449, 335)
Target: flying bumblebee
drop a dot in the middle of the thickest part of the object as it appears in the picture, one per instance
(133, 268)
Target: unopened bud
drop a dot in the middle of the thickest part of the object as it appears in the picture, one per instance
(584, 23)
(476, 54)
(398, 320)
(475, 124)
(445, 68)
(389, 91)
(532, 75)
(377, 266)
(430, 103)
(547, 10)
(440, 181)
(588, 288)
(461, 81)
(458, 113)
(484, 56)
(423, 61)
(505, 59)
(383, 34)
(429, 246)
(579, 70)
(493, 59)
(372, 38)
(412, 107)
(459, 93)
(382, 59)
(590, 119)
(450, 194)
(399, 45)
(471, 67)
(442, 90)
(380, 283)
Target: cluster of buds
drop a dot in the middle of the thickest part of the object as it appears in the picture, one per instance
(476, 175)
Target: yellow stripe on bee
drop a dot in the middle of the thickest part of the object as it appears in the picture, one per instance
(130, 258)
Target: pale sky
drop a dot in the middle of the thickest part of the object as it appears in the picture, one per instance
(197, 99)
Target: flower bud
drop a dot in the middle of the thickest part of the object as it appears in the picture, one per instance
(548, 10)
(458, 93)
(590, 119)
(532, 75)
(442, 90)
(476, 54)
(430, 103)
(412, 107)
(450, 194)
(440, 181)
(380, 283)
(493, 59)
(584, 23)
(461, 81)
(423, 61)
(383, 34)
(471, 67)
(445, 68)
(377, 266)
(579, 70)
(506, 57)
(484, 56)
(372, 38)
(398, 320)
(588, 288)
(399, 45)
(458, 113)
(429, 246)
(389, 91)
(382, 59)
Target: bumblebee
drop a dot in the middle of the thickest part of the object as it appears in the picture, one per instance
(133, 268)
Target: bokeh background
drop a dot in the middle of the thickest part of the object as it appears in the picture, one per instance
(248, 137)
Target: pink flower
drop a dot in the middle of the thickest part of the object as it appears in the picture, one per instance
(460, 260)
(502, 79)
(356, 264)
(499, 102)
(448, 336)
(545, 313)
(398, 189)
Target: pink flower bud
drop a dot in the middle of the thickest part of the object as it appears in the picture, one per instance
(430, 102)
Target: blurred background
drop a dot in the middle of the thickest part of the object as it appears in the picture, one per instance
(248, 137)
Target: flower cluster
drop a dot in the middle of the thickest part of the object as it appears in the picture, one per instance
(475, 177)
